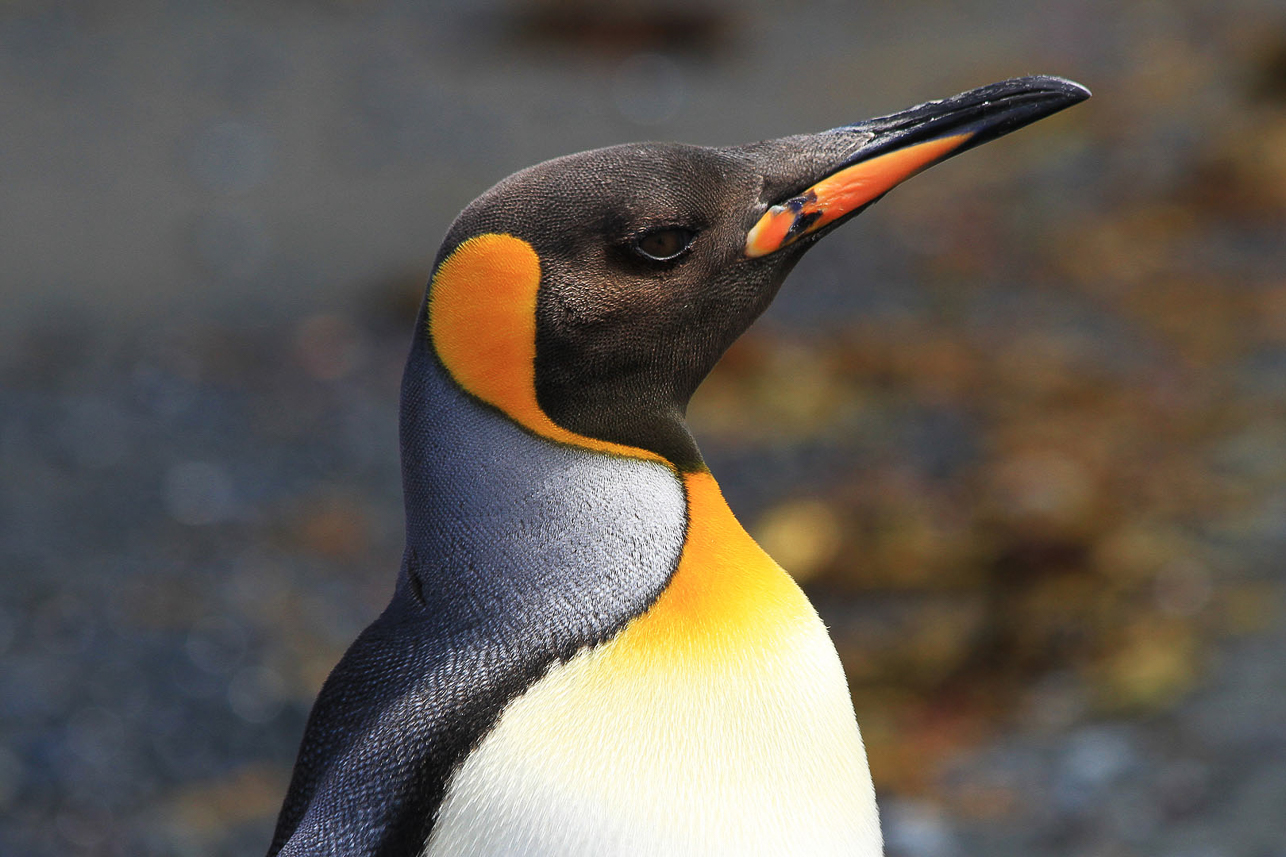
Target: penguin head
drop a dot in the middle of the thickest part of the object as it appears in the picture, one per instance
(587, 297)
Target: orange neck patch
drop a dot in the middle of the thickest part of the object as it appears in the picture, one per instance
(728, 598)
(482, 323)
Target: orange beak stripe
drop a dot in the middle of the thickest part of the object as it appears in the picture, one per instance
(844, 191)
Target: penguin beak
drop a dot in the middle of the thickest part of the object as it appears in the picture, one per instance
(891, 149)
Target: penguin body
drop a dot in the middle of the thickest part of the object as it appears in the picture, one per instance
(717, 722)
(585, 652)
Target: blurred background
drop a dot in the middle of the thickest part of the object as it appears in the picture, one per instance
(1020, 429)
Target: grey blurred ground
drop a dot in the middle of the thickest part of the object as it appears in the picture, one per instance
(1022, 427)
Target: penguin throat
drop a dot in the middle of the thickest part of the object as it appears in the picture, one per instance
(619, 417)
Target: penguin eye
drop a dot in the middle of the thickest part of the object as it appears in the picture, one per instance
(664, 244)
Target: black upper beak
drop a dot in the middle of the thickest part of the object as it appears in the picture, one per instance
(984, 113)
(847, 168)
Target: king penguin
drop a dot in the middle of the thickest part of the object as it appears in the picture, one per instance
(585, 652)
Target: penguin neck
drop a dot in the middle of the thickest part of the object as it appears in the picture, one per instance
(468, 470)
(468, 466)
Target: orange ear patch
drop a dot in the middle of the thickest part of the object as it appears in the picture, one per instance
(482, 323)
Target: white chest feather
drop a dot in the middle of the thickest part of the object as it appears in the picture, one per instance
(757, 757)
